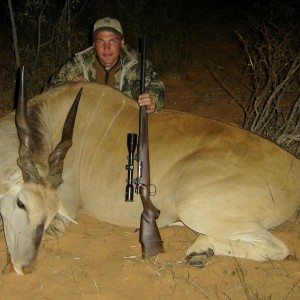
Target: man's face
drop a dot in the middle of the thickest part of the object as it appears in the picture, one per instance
(108, 46)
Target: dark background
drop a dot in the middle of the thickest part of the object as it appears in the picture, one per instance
(49, 32)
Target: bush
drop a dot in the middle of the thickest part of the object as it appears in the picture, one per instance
(273, 65)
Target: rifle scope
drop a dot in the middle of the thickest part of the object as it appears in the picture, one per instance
(131, 146)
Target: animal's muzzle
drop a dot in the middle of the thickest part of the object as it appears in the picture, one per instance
(27, 269)
(9, 267)
(23, 270)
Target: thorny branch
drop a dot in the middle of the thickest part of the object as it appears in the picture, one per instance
(272, 109)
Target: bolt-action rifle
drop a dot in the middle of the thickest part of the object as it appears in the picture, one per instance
(149, 234)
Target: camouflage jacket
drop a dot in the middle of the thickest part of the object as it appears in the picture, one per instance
(127, 75)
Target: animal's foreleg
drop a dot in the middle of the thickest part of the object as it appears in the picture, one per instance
(260, 246)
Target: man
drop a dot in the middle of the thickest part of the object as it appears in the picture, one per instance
(109, 61)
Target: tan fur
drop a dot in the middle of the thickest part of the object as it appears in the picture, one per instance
(221, 181)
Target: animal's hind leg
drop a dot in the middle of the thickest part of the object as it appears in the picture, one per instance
(260, 245)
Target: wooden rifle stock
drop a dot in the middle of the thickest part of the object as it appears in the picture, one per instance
(150, 238)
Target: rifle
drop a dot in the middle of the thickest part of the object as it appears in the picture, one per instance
(149, 238)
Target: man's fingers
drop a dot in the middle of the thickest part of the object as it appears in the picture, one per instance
(146, 99)
(79, 79)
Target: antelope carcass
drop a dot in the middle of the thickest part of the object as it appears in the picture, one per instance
(225, 183)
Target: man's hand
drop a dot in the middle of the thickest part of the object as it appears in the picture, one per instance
(79, 79)
(146, 99)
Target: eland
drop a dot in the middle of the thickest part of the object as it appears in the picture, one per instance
(225, 183)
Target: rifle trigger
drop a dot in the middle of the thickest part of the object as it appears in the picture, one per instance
(152, 193)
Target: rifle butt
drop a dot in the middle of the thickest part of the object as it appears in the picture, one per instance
(150, 238)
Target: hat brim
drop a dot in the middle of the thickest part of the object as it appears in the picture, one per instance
(108, 29)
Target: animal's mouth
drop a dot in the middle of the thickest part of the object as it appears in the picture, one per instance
(9, 267)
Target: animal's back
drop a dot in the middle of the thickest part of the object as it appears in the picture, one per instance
(197, 165)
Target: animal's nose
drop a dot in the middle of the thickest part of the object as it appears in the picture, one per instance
(27, 269)
(9, 267)
(19, 268)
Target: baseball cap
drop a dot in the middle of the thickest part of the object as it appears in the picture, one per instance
(109, 24)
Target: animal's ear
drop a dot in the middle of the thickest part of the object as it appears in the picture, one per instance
(62, 212)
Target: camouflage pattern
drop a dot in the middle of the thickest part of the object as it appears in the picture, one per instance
(127, 76)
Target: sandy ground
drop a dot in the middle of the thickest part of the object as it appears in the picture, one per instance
(96, 260)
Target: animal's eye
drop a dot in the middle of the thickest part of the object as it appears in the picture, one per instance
(20, 204)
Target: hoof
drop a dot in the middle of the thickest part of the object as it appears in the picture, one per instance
(199, 260)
